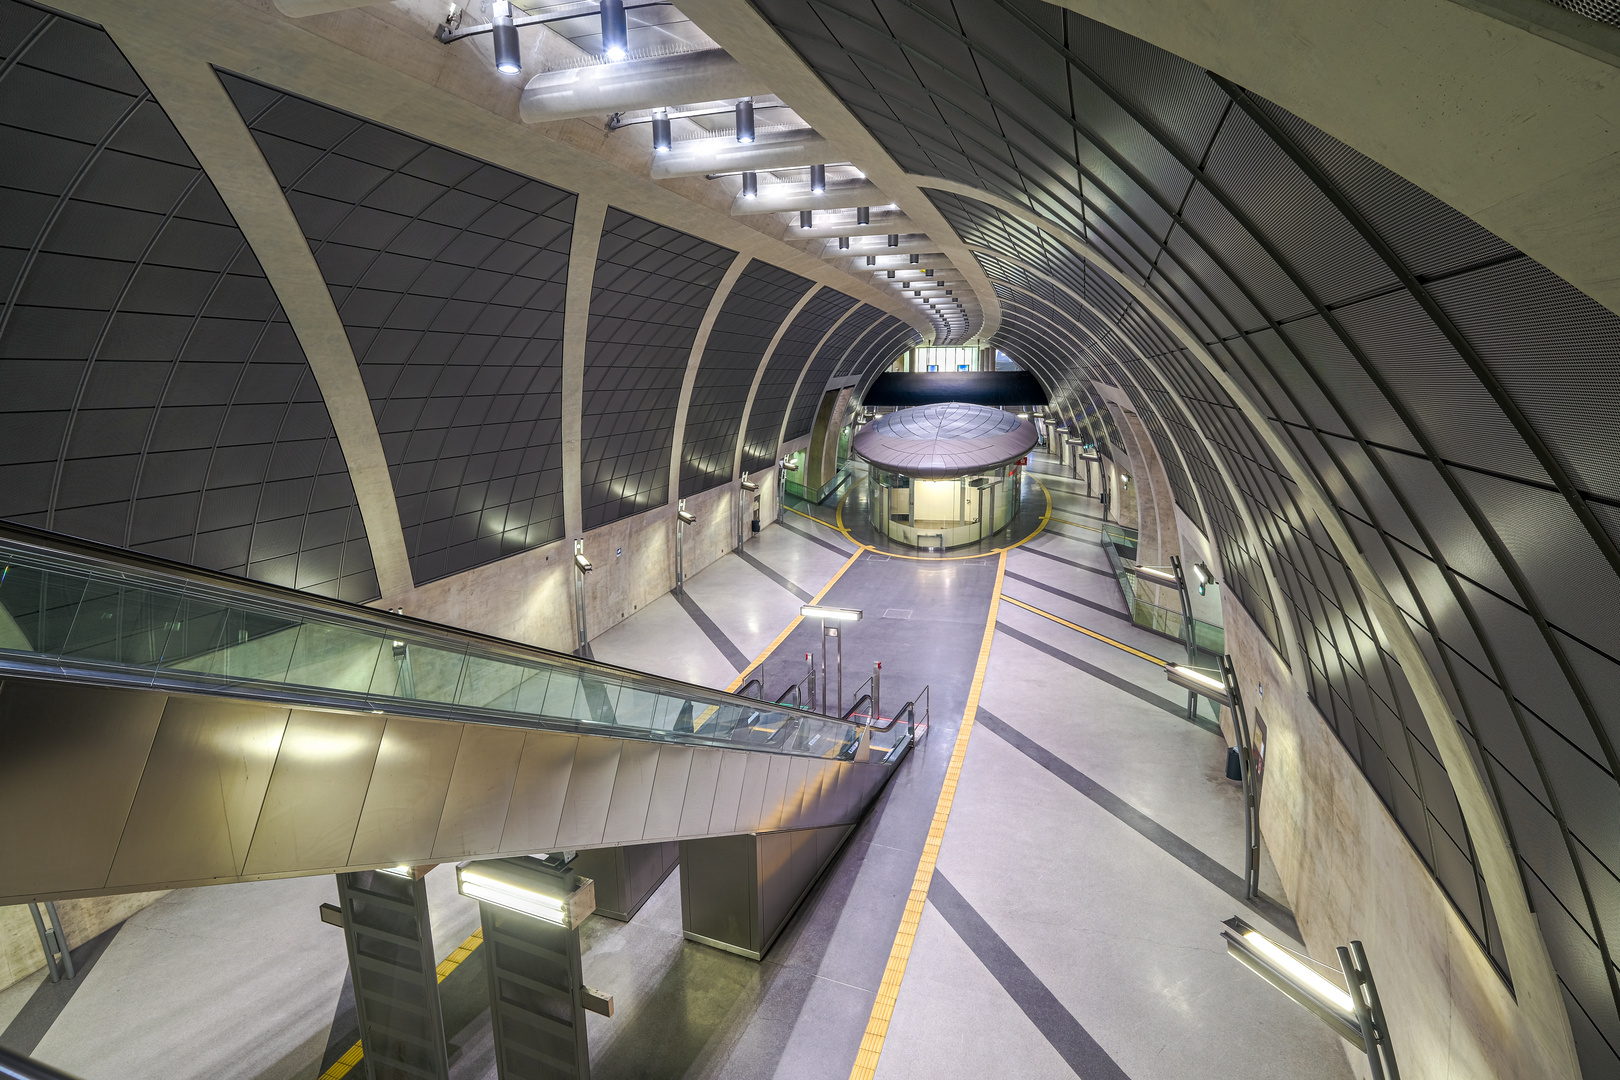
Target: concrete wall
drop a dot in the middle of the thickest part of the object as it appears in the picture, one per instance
(1351, 874)
(20, 952)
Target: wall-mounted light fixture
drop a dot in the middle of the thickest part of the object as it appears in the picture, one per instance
(818, 179)
(1205, 577)
(749, 485)
(582, 562)
(510, 884)
(661, 131)
(1203, 685)
(750, 188)
(615, 32)
(863, 215)
(686, 517)
(508, 55)
(1156, 576)
(745, 120)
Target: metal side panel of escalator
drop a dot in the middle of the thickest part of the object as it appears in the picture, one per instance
(164, 727)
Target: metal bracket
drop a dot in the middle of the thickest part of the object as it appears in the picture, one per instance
(53, 939)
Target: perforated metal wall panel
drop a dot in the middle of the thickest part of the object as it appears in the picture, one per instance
(827, 358)
(787, 364)
(1454, 397)
(748, 319)
(155, 396)
(892, 340)
(449, 274)
(652, 287)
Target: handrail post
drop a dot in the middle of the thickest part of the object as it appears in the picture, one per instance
(877, 679)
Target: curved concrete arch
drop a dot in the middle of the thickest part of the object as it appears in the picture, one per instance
(693, 362)
(1535, 982)
(787, 413)
(589, 214)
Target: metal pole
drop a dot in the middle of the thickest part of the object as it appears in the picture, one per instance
(810, 675)
(1251, 812)
(1376, 1010)
(1369, 1034)
(823, 665)
(840, 652)
(1186, 629)
(583, 649)
(680, 537)
(877, 679)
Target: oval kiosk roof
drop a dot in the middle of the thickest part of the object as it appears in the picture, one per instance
(939, 441)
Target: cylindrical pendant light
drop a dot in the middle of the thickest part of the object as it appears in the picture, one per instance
(843, 243)
(915, 258)
(863, 215)
(805, 219)
(894, 239)
(615, 34)
(661, 131)
(508, 56)
(928, 272)
(818, 179)
(745, 120)
(890, 273)
(871, 260)
(750, 185)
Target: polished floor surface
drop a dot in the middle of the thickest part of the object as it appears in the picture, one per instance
(1072, 923)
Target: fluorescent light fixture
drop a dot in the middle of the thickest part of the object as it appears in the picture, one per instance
(818, 179)
(397, 871)
(750, 187)
(806, 219)
(1192, 679)
(830, 614)
(1205, 576)
(745, 120)
(787, 463)
(1309, 980)
(686, 517)
(515, 898)
(661, 132)
(508, 55)
(1155, 575)
(843, 243)
(863, 215)
(749, 485)
(582, 562)
(1023, 416)
(615, 33)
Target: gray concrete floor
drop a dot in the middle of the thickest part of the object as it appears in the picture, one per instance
(1072, 928)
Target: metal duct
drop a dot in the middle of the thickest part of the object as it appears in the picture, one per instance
(601, 89)
(769, 150)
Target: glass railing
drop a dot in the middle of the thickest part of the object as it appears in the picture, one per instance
(100, 615)
(1207, 637)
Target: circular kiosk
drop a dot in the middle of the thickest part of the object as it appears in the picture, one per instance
(943, 475)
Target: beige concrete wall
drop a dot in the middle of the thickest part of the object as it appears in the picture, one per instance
(20, 952)
(529, 597)
(1351, 874)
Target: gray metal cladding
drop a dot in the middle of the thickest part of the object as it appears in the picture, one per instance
(748, 319)
(786, 365)
(1454, 397)
(156, 397)
(822, 365)
(864, 345)
(449, 274)
(653, 285)
(883, 352)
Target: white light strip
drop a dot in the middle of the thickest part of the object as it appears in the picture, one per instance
(510, 896)
(1215, 685)
(1302, 976)
(1156, 574)
(831, 614)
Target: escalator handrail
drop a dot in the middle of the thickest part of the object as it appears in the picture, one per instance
(71, 555)
(798, 697)
(14, 1066)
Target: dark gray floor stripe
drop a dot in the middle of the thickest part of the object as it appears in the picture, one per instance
(29, 1026)
(716, 635)
(1072, 598)
(808, 535)
(1109, 574)
(1168, 842)
(1174, 708)
(1066, 1034)
(743, 554)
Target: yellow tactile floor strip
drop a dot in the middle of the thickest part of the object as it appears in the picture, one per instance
(742, 676)
(877, 1025)
(1104, 638)
(351, 1057)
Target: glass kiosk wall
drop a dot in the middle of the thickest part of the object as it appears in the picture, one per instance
(943, 513)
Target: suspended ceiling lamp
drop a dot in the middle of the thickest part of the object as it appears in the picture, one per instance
(843, 243)
(508, 56)
(750, 185)
(894, 239)
(745, 120)
(615, 34)
(818, 179)
(661, 131)
(863, 215)
(806, 219)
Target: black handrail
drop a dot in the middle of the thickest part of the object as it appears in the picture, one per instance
(798, 698)
(864, 699)
(18, 1067)
(755, 681)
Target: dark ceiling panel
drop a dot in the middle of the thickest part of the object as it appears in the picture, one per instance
(652, 287)
(156, 397)
(449, 274)
(860, 352)
(742, 331)
(832, 350)
(787, 364)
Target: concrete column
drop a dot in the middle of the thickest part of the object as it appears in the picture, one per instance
(693, 361)
(588, 219)
(759, 375)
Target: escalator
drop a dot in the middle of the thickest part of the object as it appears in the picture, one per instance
(164, 727)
